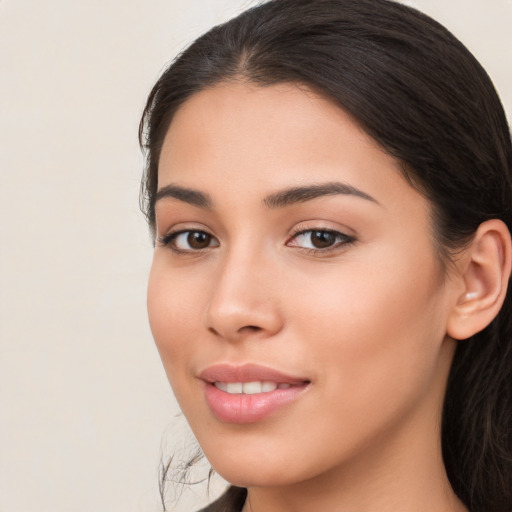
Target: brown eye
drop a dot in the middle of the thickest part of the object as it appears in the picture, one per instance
(322, 239)
(189, 241)
(198, 239)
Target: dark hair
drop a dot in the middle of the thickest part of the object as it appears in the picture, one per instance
(425, 99)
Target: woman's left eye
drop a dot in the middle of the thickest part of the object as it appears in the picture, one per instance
(320, 239)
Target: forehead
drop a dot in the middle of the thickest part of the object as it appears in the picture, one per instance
(285, 106)
(240, 127)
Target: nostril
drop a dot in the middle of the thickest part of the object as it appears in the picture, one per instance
(251, 328)
(242, 330)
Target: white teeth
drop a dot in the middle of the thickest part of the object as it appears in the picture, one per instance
(234, 388)
(249, 388)
(268, 386)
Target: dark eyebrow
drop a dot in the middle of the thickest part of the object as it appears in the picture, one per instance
(309, 192)
(187, 195)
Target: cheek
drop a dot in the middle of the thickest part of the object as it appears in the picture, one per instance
(172, 309)
(174, 322)
(377, 332)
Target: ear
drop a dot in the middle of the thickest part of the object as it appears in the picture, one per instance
(484, 273)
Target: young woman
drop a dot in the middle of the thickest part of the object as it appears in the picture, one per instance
(329, 187)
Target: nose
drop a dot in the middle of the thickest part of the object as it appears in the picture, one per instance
(244, 301)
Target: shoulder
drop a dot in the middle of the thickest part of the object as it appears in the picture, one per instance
(231, 501)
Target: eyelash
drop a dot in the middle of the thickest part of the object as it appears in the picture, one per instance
(343, 240)
(170, 239)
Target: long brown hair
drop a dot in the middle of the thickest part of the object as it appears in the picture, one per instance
(427, 101)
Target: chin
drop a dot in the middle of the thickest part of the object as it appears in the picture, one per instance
(258, 468)
(255, 477)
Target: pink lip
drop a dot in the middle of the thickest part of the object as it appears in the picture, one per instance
(246, 373)
(240, 408)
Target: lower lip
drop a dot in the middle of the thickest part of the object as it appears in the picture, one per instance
(240, 408)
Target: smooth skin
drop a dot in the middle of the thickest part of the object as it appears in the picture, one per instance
(345, 288)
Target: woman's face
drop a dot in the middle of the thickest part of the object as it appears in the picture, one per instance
(295, 296)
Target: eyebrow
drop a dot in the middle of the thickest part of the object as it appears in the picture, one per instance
(187, 195)
(307, 193)
(279, 199)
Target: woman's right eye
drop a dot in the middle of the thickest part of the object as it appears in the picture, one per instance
(189, 241)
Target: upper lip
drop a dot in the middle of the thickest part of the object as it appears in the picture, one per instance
(247, 373)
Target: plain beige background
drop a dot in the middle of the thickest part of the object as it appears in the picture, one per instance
(86, 412)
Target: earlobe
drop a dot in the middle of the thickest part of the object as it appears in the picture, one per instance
(485, 273)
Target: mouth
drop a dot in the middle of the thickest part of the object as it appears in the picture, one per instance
(249, 393)
(252, 388)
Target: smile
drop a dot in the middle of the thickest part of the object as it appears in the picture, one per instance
(250, 388)
(249, 393)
